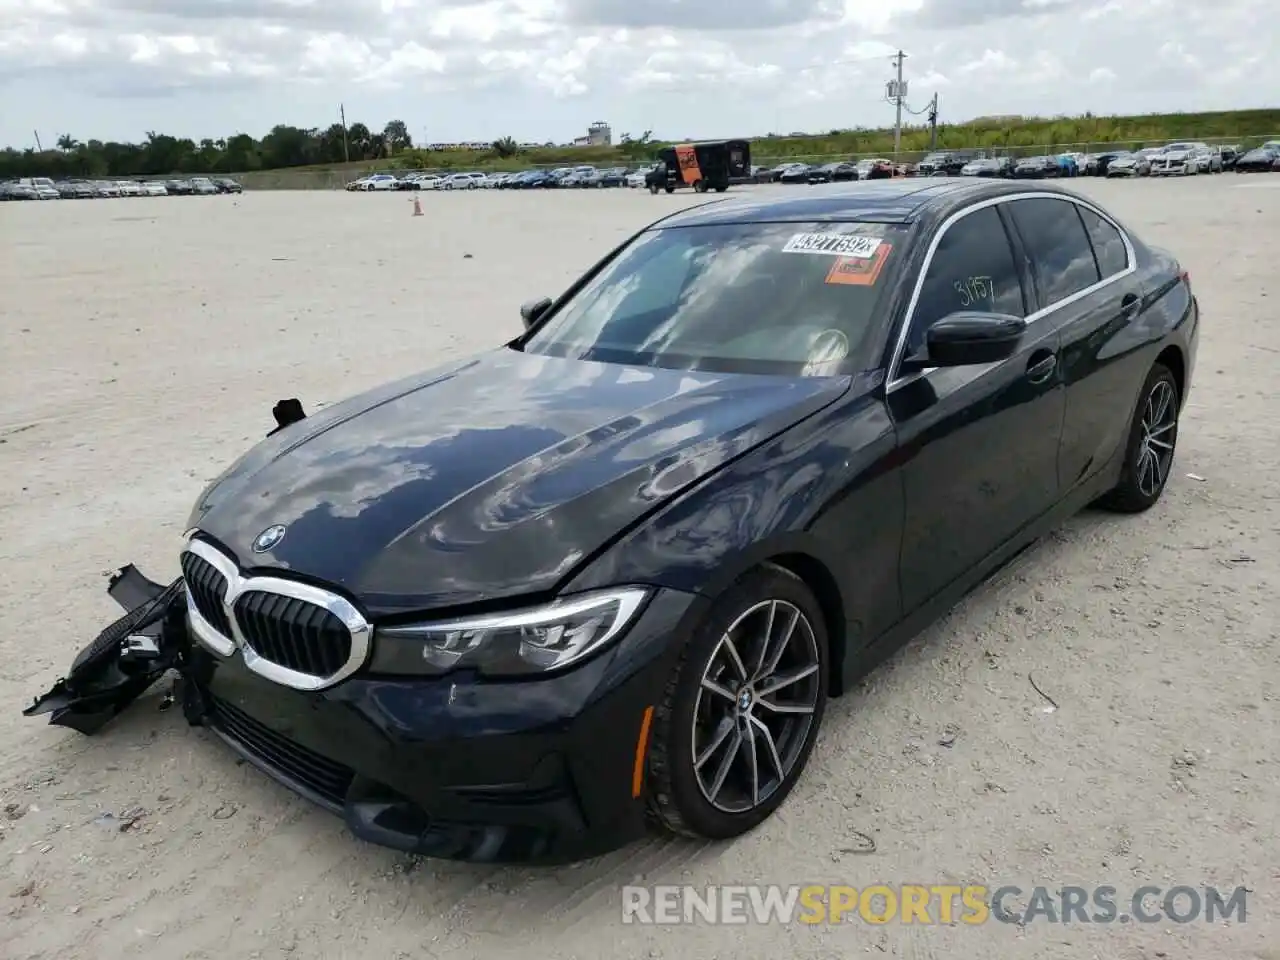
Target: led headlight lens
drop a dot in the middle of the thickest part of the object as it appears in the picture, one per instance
(529, 641)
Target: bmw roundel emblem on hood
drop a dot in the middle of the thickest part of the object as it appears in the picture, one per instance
(268, 538)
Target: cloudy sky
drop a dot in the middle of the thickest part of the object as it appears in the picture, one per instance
(543, 69)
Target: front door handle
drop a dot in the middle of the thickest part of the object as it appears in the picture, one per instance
(1041, 366)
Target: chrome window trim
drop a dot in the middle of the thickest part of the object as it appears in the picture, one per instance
(237, 585)
(893, 382)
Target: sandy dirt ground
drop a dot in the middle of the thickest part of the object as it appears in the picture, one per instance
(143, 342)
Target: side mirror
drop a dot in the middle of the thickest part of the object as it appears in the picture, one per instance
(972, 337)
(967, 338)
(532, 310)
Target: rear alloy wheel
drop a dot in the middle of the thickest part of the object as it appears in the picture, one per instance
(1153, 437)
(743, 710)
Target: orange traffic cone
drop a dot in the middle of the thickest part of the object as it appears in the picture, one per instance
(417, 207)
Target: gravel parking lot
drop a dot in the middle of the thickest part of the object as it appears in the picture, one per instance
(144, 342)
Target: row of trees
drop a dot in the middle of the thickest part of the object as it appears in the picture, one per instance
(286, 146)
(160, 154)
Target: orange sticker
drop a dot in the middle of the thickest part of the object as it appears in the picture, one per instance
(687, 158)
(859, 271)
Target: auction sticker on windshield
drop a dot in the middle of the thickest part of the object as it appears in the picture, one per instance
(859, 271)
(834, 244)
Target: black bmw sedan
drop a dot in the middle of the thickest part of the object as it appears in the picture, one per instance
(610, 574)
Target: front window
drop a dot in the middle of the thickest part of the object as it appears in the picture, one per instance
(797, 299)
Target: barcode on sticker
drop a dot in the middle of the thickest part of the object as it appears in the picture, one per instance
(833, 244)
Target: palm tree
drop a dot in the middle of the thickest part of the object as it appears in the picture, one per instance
(506, 147)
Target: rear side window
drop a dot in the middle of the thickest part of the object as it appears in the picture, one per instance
(1108, 245)
(1058, 246)
(972, 269)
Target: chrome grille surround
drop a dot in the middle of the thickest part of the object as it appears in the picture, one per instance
(237, 585)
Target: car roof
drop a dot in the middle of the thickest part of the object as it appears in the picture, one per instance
(903, 200)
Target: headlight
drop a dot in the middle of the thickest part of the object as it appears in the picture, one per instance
(529, 641)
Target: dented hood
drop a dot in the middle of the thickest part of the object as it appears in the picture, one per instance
(495, 477)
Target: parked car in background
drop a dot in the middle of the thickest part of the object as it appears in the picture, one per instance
(1230, 154)
(873, 168)
(945, 163)
(833, 173)
(180, 188)
(635, 179)
(613, 177)
(988, 167)
(19, 190)
(227, 185)
(1128, 165)
(154, 188)
(794, 173)
(463, 181)
(1177, 160)
(1097, 164)
(107, 188)
(1035, 168)
(1208, 159)
(430, 181)
(129, 188)
(582, 176)
(1260, 160)
(43, 187)
(357, 184)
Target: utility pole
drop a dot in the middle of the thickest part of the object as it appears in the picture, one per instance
(346, 150)
(897, 100)
(39, 146)
(933, 123)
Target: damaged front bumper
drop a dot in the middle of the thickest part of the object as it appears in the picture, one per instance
(124, 659)
(544, 771)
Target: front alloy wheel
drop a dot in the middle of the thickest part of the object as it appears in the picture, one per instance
(743, 710)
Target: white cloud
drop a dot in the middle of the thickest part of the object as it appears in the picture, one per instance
(543, 69)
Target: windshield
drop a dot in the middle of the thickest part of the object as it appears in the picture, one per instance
(796, 299)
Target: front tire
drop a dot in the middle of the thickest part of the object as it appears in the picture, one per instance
(742, 711)
(1153, 439)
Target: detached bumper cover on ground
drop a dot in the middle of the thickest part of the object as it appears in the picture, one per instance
(548, 770)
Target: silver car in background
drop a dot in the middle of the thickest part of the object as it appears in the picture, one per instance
(1129, 165)
(1178, 160)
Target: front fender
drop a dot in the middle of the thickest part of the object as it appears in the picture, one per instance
(828, 490)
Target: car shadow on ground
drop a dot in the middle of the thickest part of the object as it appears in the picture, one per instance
(509, 898)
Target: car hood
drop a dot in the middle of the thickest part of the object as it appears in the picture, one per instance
(495, 477)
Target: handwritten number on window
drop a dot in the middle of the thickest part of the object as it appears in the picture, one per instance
(974, 290)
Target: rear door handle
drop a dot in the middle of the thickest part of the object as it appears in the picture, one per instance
(1129, 304)
(1041, 366)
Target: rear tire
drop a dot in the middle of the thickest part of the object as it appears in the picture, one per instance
(751, 710)
(1152, 443)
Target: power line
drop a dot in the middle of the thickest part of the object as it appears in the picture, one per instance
(837, 63)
